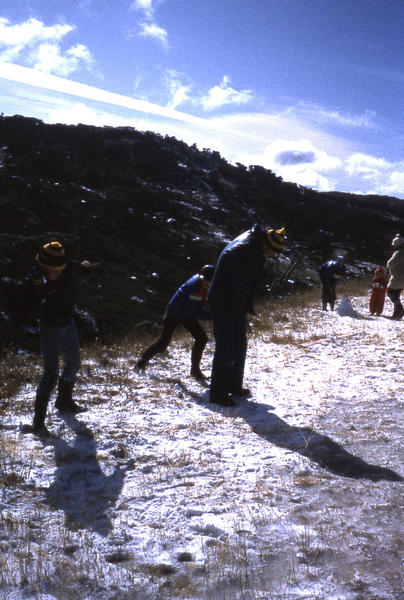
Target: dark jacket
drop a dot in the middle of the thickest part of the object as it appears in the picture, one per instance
(52, 301)
(189, 301)
(236, 274)
(329, 270)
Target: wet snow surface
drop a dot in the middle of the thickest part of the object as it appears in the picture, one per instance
(155, 493)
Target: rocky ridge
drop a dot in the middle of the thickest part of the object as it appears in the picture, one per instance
(147, 211)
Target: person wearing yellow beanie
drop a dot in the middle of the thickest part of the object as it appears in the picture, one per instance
(275, 239)
(230, 298)
(51, 257)
(50, 285)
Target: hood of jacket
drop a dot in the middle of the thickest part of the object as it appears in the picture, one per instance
(236, 273)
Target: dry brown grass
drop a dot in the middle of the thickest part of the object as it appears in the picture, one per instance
(230, 570)
(284, 320)
(16, 370)
(279, 320)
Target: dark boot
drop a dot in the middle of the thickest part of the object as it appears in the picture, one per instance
(154, 349)
(197, 374)
(38, 425)
(221, 399)
(64, 400)
(196, 356)
(398, 312)
(240, 392)
(141, 364)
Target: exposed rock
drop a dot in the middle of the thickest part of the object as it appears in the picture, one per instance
(149, 211)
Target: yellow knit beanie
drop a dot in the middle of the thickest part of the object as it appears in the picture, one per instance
(275, 239)
(52, 256)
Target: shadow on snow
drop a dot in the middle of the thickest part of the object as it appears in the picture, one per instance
(304, 440)
(80, 488)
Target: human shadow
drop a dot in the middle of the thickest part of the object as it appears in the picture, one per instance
(309, 443)
(304, 440)
(80, 488)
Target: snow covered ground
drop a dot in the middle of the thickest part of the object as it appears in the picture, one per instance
(154, 493)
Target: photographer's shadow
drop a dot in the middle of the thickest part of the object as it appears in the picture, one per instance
(81, 489)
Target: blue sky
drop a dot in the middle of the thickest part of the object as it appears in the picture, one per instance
(312, 89)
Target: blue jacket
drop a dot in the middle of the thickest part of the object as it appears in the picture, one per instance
(236, 273)
(189, 301)
(329, 269)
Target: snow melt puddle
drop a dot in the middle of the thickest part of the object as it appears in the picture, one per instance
(292, 494)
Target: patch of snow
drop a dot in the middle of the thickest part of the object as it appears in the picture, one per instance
(345, 309)
(292, 492)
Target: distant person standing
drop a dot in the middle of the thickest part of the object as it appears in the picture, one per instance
(51, 291)
(330, 272)
(187, 306)
(395, 286)
(230, 298)
(378, 287)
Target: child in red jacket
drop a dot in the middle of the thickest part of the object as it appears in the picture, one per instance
(378, 287)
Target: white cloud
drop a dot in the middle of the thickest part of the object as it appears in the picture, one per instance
(366, 165)
(79, 112)
(39, 46)
(301, 162)
(223, 94)
(380, 176)
(179, 96)
(149, 28)
(312, 179)
(179, 92)
(24, 75)
(31, 31)
(396, 178)
(279, 125)
(152, 30)
(50, 59)
(368, 120)
(145, 6)
(394, 186)
(302, 152)
(298, 152)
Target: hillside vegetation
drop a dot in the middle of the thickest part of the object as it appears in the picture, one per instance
(147, 211)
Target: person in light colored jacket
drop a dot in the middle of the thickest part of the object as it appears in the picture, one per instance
(395, 286)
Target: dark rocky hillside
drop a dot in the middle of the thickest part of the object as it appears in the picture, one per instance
(148, 210)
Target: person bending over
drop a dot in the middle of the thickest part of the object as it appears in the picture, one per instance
(187, 307)
(230, 298)
(330, 272)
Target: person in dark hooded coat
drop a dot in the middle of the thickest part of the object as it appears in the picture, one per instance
(330, 272)
(230, 298)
